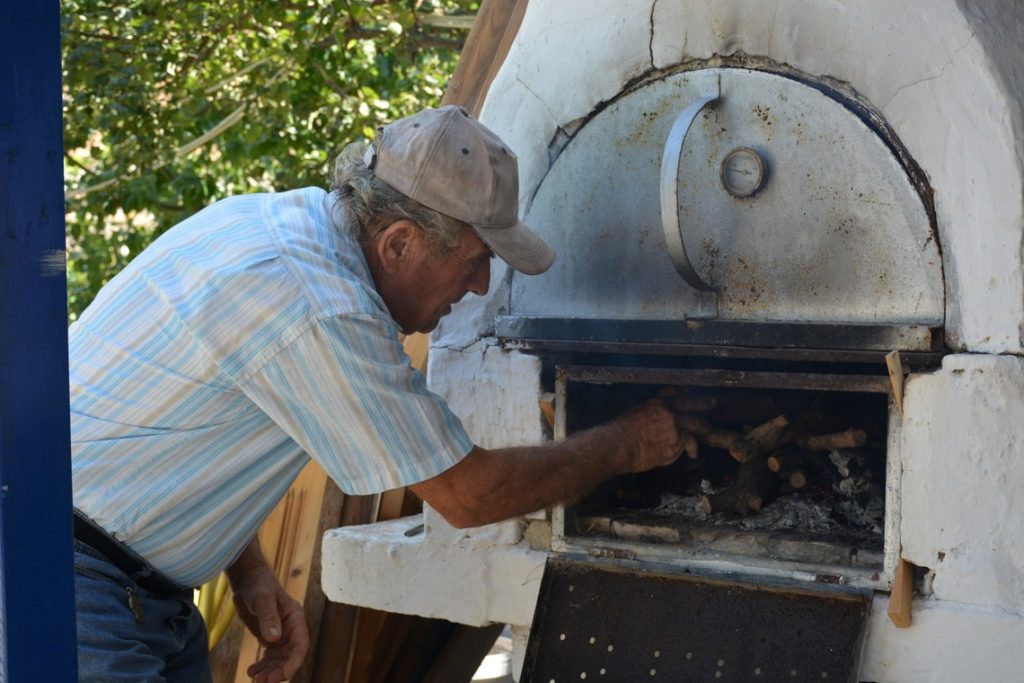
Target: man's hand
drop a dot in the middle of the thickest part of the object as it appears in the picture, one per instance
(273, 616)
(656, 439)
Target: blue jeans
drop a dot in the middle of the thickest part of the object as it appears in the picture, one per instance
(163, 640)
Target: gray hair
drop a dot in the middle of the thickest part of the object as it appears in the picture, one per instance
(371, 204)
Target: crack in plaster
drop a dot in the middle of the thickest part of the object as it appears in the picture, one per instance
(537, 97)
(1020, 327)
(941, 73)
(463, 348)
(650, 43)
(547, 110)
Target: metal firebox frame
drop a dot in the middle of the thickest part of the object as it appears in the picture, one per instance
(686, 559)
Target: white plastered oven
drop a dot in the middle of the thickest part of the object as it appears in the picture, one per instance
(930, 94)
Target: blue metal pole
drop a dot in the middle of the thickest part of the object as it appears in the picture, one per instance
(37, 625)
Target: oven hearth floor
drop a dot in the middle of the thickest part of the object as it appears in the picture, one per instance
(791, 529)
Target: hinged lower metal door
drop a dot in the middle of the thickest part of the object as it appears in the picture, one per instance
(607, 622)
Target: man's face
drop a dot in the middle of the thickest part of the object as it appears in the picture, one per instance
(423, 291)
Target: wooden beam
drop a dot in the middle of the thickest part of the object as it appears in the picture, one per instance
(496, 26)
(332, 652)
(901, 598)
(895, 366)
(465, 648)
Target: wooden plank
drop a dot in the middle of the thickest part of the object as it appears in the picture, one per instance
(334, 649)
(316, 601)
(488, 43)
(895, 367)
(290, 538)
(901, 598)
(417, 347)
(370, 624)
(463, 652)
(409, 648)
(392, 505)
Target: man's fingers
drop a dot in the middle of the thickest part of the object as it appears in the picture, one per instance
(267, 670)
(263, 606)
(690, 445)
(298, 639)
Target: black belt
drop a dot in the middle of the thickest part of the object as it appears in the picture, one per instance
(142, 573)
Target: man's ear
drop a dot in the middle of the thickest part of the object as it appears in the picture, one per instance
(396, 244)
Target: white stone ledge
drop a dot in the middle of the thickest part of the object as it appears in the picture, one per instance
(378, 566)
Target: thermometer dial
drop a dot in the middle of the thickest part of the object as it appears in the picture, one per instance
(743, 172)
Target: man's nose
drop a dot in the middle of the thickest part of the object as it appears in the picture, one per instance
(480, 279)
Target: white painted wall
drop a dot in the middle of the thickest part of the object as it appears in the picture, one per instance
(963, 480)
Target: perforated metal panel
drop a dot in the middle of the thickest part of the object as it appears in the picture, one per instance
(603, 623)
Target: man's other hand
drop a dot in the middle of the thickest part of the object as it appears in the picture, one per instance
(274, 617)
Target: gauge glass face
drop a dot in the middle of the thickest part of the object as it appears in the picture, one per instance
(742, 172)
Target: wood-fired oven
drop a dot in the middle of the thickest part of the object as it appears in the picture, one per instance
(751, 242)
(747, 245)
(799, 223)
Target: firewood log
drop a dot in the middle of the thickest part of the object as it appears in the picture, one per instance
(747, 495)
(797, 478)
(738, 502)
(785, 456)
(759, 440)
(851, 438)
(712, 436)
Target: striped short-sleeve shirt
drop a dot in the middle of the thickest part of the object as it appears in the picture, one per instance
(243, 341)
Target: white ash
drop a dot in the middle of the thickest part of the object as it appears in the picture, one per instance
(841, 459)
(869, 516)
(792, 512)
(676, 506)
(796, 512)
(848, 488)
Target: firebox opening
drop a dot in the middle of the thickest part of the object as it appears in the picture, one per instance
(796, 475)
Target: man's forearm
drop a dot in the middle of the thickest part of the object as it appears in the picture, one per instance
(503, 483)
(492, 485)
(251, 559)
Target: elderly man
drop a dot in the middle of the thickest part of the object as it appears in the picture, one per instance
(264, 331)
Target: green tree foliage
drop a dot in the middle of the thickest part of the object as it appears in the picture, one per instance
(170, 105)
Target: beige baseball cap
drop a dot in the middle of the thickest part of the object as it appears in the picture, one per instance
(449, 162)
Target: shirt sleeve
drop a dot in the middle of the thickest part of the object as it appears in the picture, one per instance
(345, 391)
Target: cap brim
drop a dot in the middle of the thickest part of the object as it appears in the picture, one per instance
(519, 247)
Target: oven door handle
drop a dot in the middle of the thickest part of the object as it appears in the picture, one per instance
(670, 224)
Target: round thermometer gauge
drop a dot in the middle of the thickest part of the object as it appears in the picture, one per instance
(743, 172)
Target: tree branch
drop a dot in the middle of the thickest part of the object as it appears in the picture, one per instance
(331, 83)
(79, 164)
(423, 40)
(213, 133)
(98, 36)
